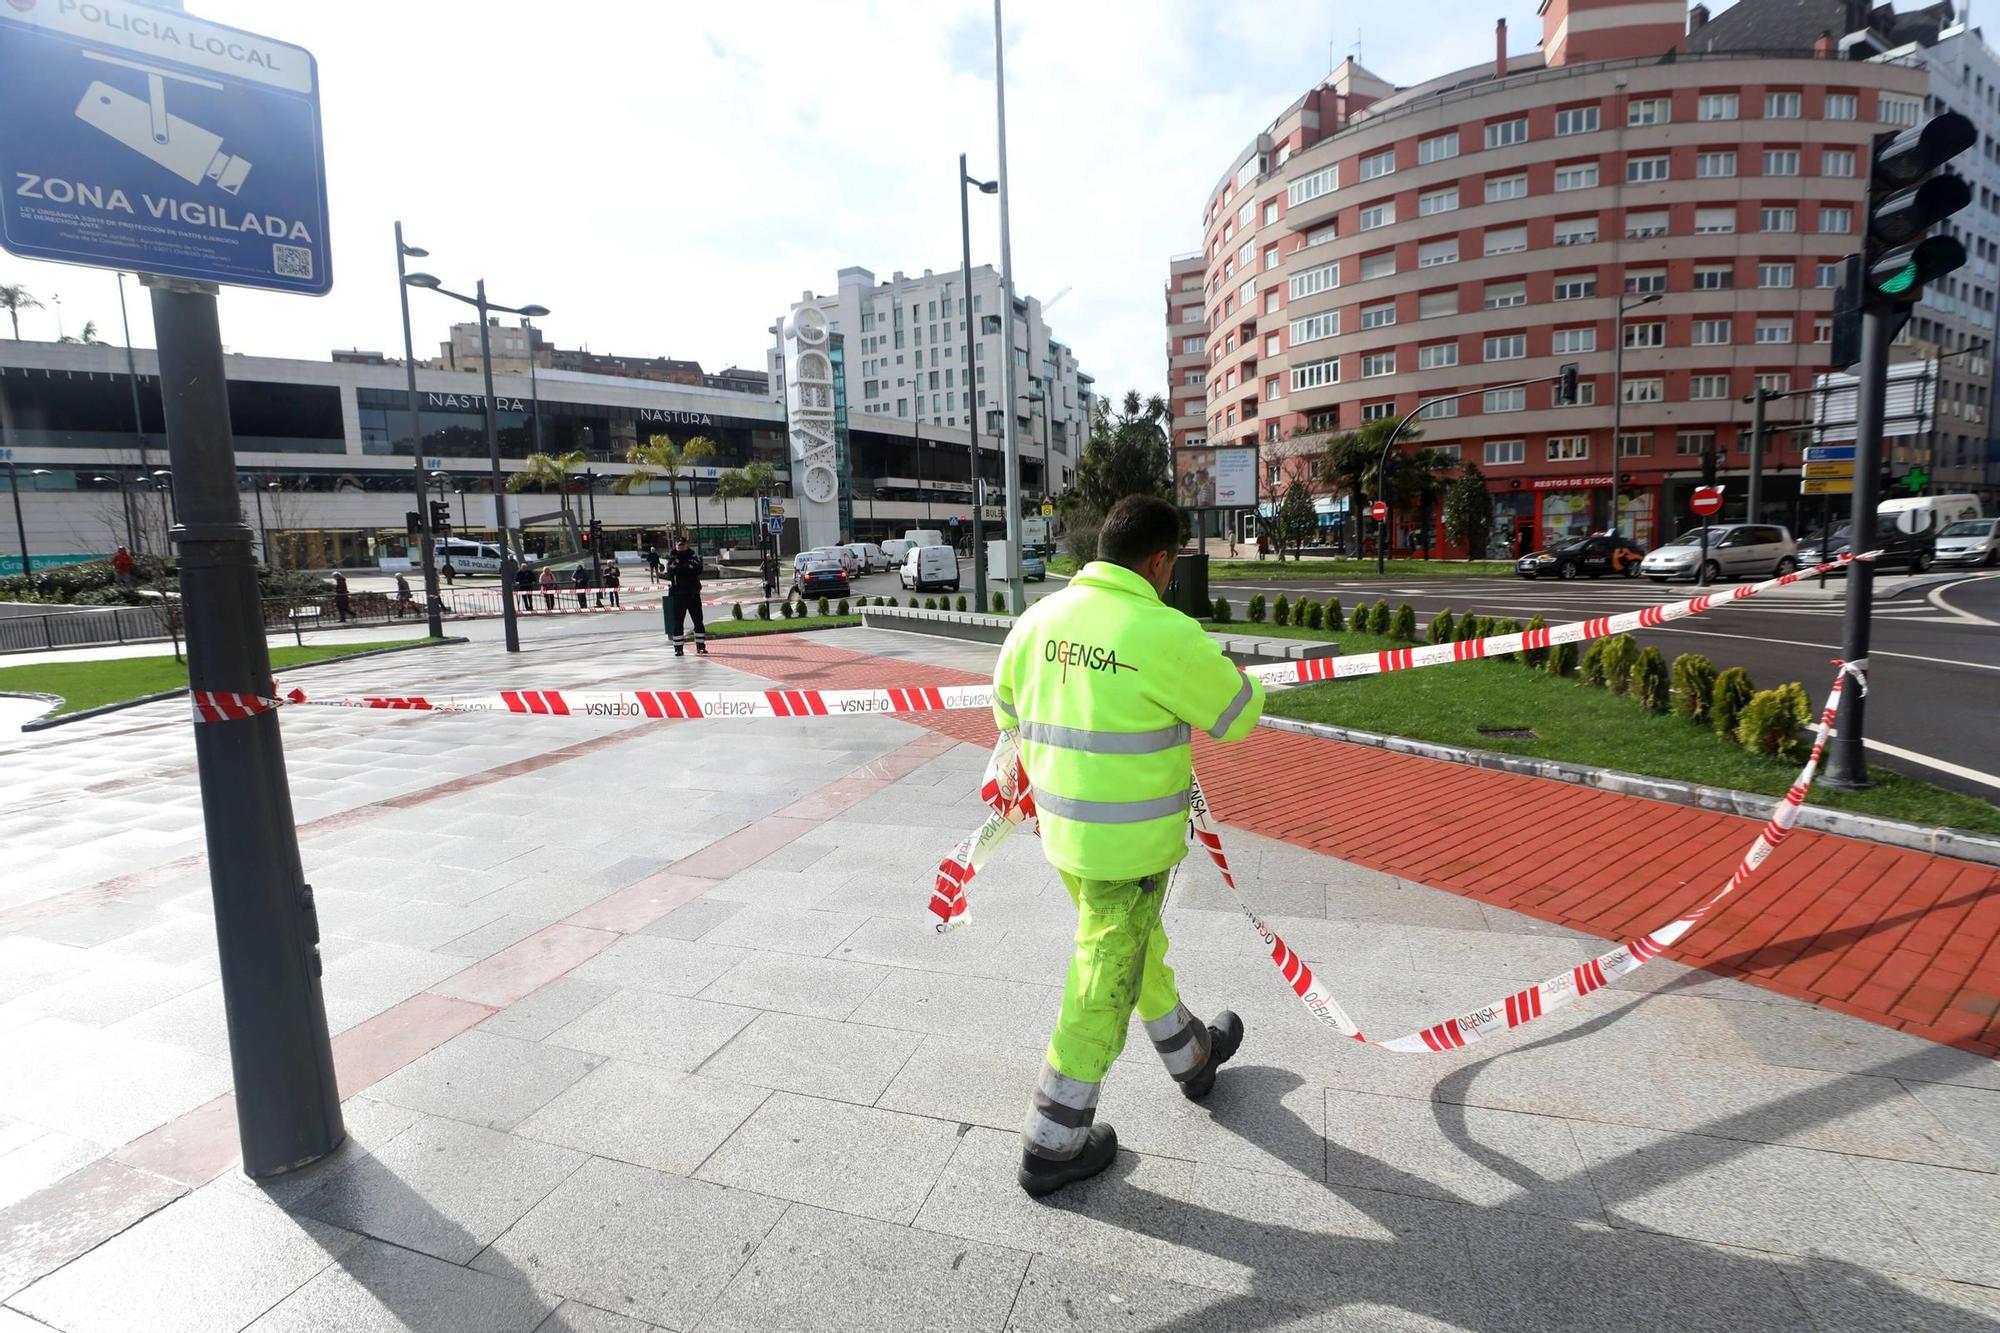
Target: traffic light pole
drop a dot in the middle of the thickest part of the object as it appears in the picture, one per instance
(1847, 764)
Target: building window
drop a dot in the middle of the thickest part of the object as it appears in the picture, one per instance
(1694, 443)
(1826, 275)
(1778, 219)
(1716, 106)
(1245, 213)
(1500, 295)
(1576, 120)
(1499, 189)
(1377, 215)
(1378, 164)
(1499, 453)
(1505, 132)
(1575, 286)
(1648, 333)
(1378, 316)
(1505, 400)
(1774, 275)
(1648, 111)
(1436, 356)
(1312, 328)
(1437, 201)
(1435, 305)
(1270, 257)
(1576, 231)
(1638, 170)
(1635, 444)
(1582, 176)
(1714, 277)
(1273, 390)
(1381, 264)
(1437, 411)
(1506, 240)
(1273, 344)
(1710, 332)
(1374, 365)
(1309, 282)
(1381, 411)
(1781, 161)
(1639, 226)
(1270, 211)
(1648, 390)
(1438, 147)
(1432, 253)
(1774, 330)
(1568, 448)
(1896, 110)
(1646, 280)
(1192, 343)
(1569, 342)
(1323, 181)
(1822, 330)
(1247, 254)
(1715, 164)
(1841, 106)
(1779, 383)
(1714, 221)
(1836, 219)
(1506, 347)
(1781, 106)
(1708, 387)
(1836, 162)
(1586, 395)
(1314, 374)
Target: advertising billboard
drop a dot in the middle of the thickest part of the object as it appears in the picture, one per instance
(1212, 478)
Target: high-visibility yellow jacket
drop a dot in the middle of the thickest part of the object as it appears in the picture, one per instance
(1104, 683)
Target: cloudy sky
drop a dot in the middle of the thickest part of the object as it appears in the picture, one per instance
(667, 176)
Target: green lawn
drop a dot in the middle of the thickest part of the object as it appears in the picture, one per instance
(91, 684)
(723, 627)
(1585, 725)
(1226, 570)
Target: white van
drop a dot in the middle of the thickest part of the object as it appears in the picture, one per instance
(930, 567)
(1925, 515)
(894, 550)
(924, 537)
(469, 557)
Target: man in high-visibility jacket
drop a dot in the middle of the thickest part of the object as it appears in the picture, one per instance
(1104, 684)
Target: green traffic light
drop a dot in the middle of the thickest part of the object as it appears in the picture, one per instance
(1901, 281)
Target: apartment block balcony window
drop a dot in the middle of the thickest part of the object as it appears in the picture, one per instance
(1781, 161)
(1645, 280)
(1837, 220)
(1506, 241)
(1646, 334)
(1572, 342)
(1433, 253)
(1506, 347)
(1437, 201)
(1836, 162)
(1438, 147)
(1502, 133)
(1781, 106)
(1501, 295)
(1708, 388)
(1505, 400)
(1716, 106)
(1374, 365)
(1576, 120)
(1381, 411)
(1312, 328)
(1635, 444)
(1779, 383)
(1376, 215)
(1378, 316)
(1714, 277)
(1270, 212)
(1694, 443)
(1381, 264)
(1316, 374)
(1586, 395)
(1774, 331)
(1714, 221)
(1576, 231)
(1568, 448)
(1774, 275)
(1437, 356)
(1378, 164)
(1640, 170)
(1581, 176)
(1575, 286)
(1640, 226)
(1777, 219)
(1646, 390)
(1648, 111)
(1822, 330)
(1499, 189)
(1710, 333)
(1708, 165)
(1307, 188)
(1436, 305)
(1439, 411)
(1895, 110)
(1322, 236)
(1841, 106)
(1499, 453)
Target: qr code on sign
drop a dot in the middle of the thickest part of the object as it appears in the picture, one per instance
(291, 261)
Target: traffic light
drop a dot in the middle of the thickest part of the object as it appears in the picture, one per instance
(1566, 385)
(1905, 199)
(413, 522)
(596, 535)
(440, 519)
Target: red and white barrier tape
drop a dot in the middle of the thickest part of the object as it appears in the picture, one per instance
(821, 703)
(1007, 790)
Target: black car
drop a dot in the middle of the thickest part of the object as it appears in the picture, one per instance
(1593, 556)
(1912, 551)
(820, 576)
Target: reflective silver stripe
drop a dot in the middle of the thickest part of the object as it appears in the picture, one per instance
(1060, 1115)
(1169, 1024)
(1111, 812)
(1105, 742)
(1005, 707)
(1181, 1040)
(1234, 711)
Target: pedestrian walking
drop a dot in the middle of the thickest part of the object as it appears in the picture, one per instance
(122, 566)
(524, 583)
(770, 571)
(450, 572)
(612, 578)
(1102, 684)
(684, 592)
(579, 579)
(653, 562)
(548, 582)
(343, 602)
(404, 602)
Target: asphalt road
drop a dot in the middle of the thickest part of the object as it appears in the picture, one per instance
(1934, 701)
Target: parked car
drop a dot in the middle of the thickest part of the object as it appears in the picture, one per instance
(818, 574)
(930, 567)
(1735, 550)
(1906, 550)
(1970, 541)
(894, 550)
(1033, 568)
(869, 555)
(1596, 555)
(840, 555)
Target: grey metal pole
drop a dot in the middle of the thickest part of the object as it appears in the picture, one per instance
(426, 539)
(138, 420)
(21, 527)
(1756, 495)
(263, 533)
(267, 932)
(1017, 592)
(1617, 381)
(1847, 764)
(979, 601)
(510, 626)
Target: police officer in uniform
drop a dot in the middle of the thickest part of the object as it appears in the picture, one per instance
(684, 590)
(1103, 684)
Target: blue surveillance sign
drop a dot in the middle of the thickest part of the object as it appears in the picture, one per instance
(141, 138)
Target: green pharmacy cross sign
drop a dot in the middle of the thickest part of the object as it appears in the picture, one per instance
(1916, 479)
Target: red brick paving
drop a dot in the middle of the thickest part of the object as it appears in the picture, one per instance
(1904, 939)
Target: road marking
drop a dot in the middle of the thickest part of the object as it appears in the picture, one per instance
(1936, 598)
(1941, 765)
(1823, 647)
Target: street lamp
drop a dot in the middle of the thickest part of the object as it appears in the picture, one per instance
(20, 527)
(534, 386)
(479, 302)
(426, 539)
(966, 180)
(263, 533)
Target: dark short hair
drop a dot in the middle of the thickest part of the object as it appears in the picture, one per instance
(1138, 528)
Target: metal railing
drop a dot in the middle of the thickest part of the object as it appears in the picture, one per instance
(87, 629)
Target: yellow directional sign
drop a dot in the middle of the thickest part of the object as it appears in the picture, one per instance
(1829, 469)
(1827, 486)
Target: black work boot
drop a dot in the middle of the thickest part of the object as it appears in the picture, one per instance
(701, 649)
(1225, 1034)
(1041, 1175)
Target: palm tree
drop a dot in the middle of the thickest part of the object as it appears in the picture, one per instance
(14, 300)
(660, 456)
(1422, 480)
(545, 470)
(750, 479)
(89, 337)
(1352, 460)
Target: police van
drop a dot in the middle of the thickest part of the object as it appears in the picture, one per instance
(469, 557)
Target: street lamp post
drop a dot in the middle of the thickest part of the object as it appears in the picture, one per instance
(1017, 593)
(20, 526)
(138, 419)
(534, 388)
(426, 539)
(479, 303)
(971, 386)
(164, 483)
(263, 533)
(1618, 368)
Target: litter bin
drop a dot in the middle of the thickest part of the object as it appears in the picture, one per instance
(1188, 592)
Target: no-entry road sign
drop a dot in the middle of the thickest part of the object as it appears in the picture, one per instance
(1707, 500)
(1378, 511)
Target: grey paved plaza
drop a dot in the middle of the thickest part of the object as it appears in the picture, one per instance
(640, 1029)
